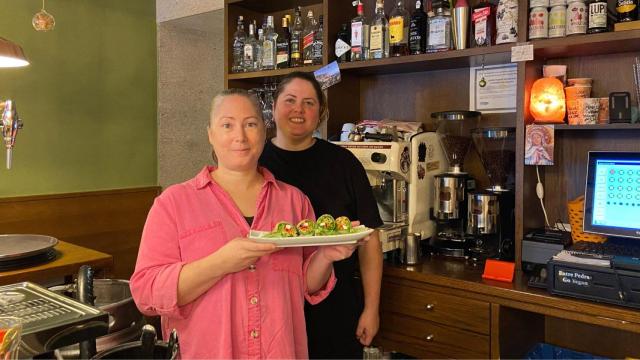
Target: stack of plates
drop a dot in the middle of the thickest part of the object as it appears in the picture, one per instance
(23, 250)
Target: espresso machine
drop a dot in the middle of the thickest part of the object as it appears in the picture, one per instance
(491, 215)
(401, 176)
(10, 123)
(451, 187)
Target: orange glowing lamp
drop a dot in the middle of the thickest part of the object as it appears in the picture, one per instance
(547, 103)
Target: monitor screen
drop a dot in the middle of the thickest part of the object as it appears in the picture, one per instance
(612, 194)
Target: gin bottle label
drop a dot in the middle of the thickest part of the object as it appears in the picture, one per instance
(376, 38)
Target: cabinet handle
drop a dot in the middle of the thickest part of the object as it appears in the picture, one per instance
(429, 337)
(430, 307)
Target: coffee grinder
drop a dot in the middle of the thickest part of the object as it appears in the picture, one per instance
(491, 211)
(450, 197)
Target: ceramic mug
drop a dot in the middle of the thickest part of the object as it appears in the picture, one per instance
(577, 92)
(579, 82)
(590, 108)
(574, 114)
(603, 115)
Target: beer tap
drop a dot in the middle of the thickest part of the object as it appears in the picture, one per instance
(11, 123)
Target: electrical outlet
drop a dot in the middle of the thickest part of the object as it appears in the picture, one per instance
(562, 226)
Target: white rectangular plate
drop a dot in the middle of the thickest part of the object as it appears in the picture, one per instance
(342, 239)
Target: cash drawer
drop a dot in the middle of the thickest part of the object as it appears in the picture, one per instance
(437, 307)
(426, 339)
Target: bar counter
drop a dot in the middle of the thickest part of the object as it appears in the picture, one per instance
(70, 258)
(444, 308)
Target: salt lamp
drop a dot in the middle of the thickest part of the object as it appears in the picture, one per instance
(547, 103)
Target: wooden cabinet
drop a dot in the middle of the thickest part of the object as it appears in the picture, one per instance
(425, 322)
(474, 318)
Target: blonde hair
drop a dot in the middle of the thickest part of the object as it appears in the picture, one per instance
(253, 99)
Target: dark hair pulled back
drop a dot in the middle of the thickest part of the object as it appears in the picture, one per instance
(307, 76)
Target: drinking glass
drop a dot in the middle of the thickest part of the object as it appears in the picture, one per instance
(371, 353)
(10, 332)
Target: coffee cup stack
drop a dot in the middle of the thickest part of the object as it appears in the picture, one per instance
(582, 109)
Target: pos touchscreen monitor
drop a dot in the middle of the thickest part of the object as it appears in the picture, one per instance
(612, 194)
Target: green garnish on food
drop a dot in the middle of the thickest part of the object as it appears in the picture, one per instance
(343, 225)
(285, 229)
(306, 227)
(325, 225)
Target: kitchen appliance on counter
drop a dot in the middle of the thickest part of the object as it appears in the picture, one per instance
(401, 176)
(47, 316)
(491, 215)
(451, 187)
(10, 123)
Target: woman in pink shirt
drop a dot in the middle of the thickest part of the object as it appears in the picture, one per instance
(229, 296)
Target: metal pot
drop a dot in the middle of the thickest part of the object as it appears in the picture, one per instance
(114, 297)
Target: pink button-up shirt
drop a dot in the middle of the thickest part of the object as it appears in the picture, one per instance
(254, 313)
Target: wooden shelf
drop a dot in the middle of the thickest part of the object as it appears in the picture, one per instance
(259, 75)
(453, 59)
(619, 126)
(586, 45)
(270, 6)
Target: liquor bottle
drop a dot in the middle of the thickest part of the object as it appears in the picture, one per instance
(307, 40)
(250, 48)
(399, 30)
(289, 22)
(282, 45)
(597, 16)
(239, 37)
(343, 47)
(627, 10)
(269, 46)
(418, 30)
(296, 39)
(439, 28)
(359, 35)
(258, 58)
(318, 43)
(483, 24)
(379, 33)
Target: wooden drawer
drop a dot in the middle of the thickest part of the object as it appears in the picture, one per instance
(444, 309)
(426, 339)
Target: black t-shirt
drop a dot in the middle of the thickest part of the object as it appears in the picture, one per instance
(336, 183)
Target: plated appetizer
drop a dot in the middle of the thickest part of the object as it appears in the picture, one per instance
(325, 225)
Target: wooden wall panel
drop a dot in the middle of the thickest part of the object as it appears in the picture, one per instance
(108, 221)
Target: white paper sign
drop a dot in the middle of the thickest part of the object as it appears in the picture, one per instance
(522, 53)
(341, 47)
(493, 89)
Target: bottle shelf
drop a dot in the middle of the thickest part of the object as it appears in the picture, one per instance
(587, 45)
(452, 59)
(259, 75)
(580, 45)
(617, 126)
(270, 6)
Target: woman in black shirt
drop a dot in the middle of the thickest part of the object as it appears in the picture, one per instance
(336, 183)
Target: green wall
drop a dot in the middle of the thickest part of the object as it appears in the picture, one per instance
(88, 99)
